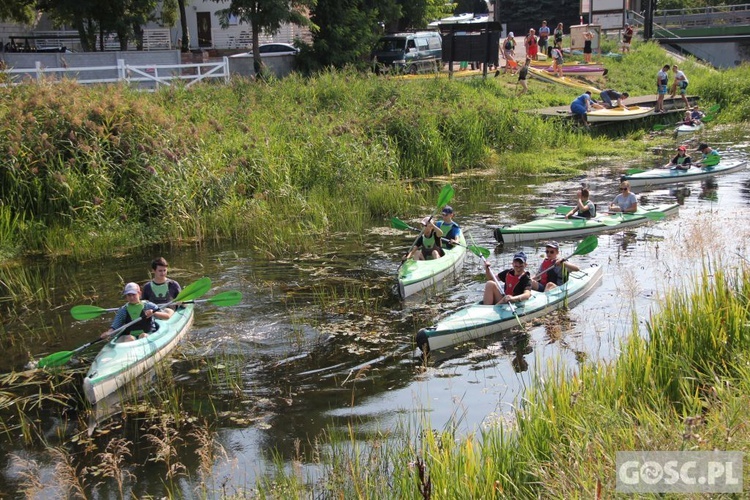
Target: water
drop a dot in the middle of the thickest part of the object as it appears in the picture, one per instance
(321, 341)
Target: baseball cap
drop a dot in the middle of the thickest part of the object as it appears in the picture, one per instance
(426, 220)
(447, 209)
(552, 244)
(511, 34)
(520, 256)
(702, 146)
(682, 148)
(131, 288)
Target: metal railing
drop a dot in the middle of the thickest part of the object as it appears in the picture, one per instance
(147, 77)
(725, 15)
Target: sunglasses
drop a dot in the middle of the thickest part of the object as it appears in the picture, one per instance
(624, 189)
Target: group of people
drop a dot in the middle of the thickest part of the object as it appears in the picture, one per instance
(679, 84)
(145, 304)
(682, 161)
(429, 244)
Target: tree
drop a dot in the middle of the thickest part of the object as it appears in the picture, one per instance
(185, 45)
(20, 11)
(266, 15)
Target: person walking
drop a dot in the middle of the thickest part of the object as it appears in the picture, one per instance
(523, 76)
(557, 61)
(662, 81)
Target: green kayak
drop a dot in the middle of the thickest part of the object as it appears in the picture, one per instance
(416, 275)
(119, 363)
(557, 227)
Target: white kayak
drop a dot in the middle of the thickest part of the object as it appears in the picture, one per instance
(659, 176)
(416, 275)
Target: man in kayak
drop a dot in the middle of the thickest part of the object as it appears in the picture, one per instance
(552, 270)
(610, 95)
(450, 229)
(161, 290)
(625, 202)
(427, 246)
(682, 160)
(517, 283)
(711, 157)
(134, 309)
(584, 208)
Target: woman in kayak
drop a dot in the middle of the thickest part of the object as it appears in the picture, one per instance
(682, 160)
(134, 309)
(625, 202)
(552, 270)
(427, 246)
(517, 283)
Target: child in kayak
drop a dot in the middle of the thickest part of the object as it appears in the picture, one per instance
(516, 279)
(682, 160)
(552, 270)
(134, 309)
(584, 207)
(428, 245)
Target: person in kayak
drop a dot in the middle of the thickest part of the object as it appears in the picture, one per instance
(161, 290)
(134, 309)
(584, 207)
(711, 157)
(682, 160)
(625, 202)
(553, 269)
(450, 229)
(517, 283)
(427, 246)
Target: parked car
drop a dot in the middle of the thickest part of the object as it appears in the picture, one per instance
(273, 49)
(408, 52)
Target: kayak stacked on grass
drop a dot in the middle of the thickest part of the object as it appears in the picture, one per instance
(119, 363)
(557, 227)
(416, 275)
(543, 75)
(479, 320)
(659, 176)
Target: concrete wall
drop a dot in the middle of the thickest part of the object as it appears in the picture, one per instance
(721, 55)
(278, 65)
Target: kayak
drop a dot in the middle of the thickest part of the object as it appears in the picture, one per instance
(618, 114)
(119, 363)
(479, 320)
(578, 70)
(565, 80)
(416, 275)
(688, 129)
(556, 227)
(671, 175)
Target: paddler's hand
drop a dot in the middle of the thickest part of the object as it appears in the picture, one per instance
(106, 335)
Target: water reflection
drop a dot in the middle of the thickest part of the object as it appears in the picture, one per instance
(680, 193)
(709, 190)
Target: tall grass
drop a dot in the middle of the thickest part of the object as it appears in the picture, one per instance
(88, 171)
(684, 387)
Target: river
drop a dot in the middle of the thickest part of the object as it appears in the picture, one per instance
(321, 341)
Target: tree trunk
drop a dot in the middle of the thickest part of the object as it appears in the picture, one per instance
(258, 66)
(183, 25)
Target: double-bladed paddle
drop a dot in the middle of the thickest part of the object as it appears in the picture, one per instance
(231, 298)
(397, 223)
(445, 196)
(709, 116)
(190, 292)
(562, 210)
(587, 245)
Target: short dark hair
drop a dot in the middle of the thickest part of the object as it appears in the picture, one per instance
(159, 261)
(625, 94)
(585, 192)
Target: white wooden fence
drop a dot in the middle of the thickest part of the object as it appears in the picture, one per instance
(147, 77)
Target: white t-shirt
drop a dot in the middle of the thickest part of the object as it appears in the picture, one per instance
(625, 202)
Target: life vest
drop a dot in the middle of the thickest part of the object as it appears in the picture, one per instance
(546, 264)
(160, 293)
(134, 312)
(511, 280)
(428, 242)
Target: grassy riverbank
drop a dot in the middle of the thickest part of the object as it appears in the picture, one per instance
(684, 388)
(92, 171)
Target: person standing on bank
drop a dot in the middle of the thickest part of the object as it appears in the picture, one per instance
(588, 38)
(135, 308)
(681, 84)
(523, 76)
(544, 38)
(627, 37)
(582, 105)
(557, 60)
(625, 202)
(558, 35)
(662, 81)
(161, 290)
(531, 44)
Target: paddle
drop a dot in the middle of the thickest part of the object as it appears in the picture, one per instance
(445, 196)
(190, 292)
(649, 214)
(587, 245)
(497, 283)
(557, 210)
(231, 298)
(633, 171)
